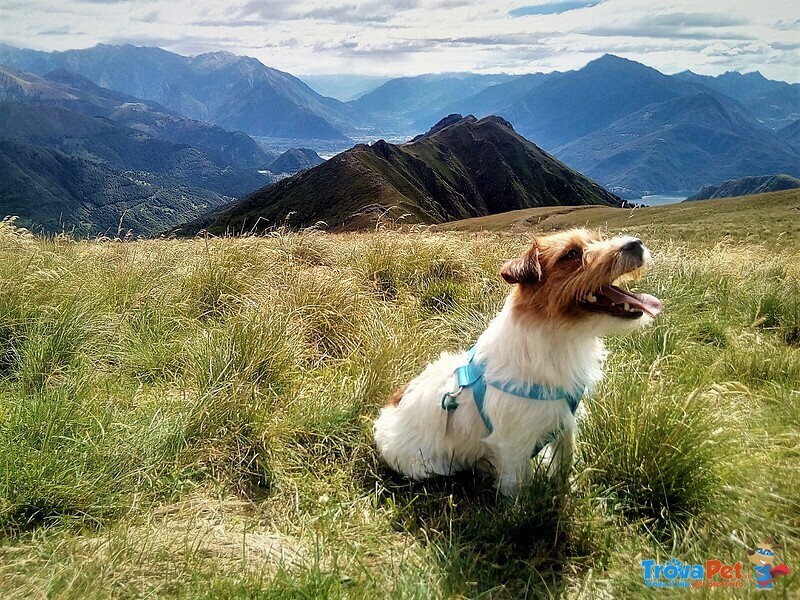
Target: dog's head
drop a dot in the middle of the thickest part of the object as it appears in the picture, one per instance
(575, 276)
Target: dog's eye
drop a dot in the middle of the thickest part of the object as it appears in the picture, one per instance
(572, 254)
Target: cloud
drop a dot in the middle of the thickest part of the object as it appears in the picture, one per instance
(512, 39)
(668, 33)
(785, 46)
(62, 30)
(386, 49)
(676, 25)
(151, 17)
(117, 1)
(553, 8)
(370, 11)
(229, 23)
(682, 19)
(405, 37)
(788, 24)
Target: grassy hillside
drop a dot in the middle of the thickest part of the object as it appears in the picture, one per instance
(772, 220)
(191, 418)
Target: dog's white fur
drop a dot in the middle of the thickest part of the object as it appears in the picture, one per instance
(418, 438)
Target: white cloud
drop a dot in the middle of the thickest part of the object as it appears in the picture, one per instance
(394, 37)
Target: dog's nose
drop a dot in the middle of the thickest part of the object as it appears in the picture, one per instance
(635, 247)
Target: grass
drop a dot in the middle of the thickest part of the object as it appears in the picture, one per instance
(768, 219)
(192, 418)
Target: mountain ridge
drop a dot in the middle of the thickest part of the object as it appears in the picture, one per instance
(71, 91)
(680, 145)
(467, 167)
(294, 160)
(50, 191)
(746, 186)
(234, 92)
(63, 169)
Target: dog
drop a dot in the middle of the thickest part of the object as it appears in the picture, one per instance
(517, 390)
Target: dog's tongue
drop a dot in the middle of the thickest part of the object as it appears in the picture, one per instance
(644, 302)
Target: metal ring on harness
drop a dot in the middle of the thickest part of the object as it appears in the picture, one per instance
(449, 401)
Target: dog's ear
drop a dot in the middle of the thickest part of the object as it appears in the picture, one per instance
(523, 269)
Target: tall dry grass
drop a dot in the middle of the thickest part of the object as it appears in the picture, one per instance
(192, 419)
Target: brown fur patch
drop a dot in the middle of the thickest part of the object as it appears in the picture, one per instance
(559, 268)
(395, 398)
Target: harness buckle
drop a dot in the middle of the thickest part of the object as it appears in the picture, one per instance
(449, 401)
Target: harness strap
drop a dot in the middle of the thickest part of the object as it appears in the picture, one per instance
(471, 375)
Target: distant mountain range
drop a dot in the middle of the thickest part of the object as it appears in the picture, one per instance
(680, 144)
(105, 142)
(638, 131)
(83, 162)
(774, 103)
(791, 134)
(463, 167)
(402, 102)
(234, 92)
(570, 105)
(52, 191)
(71, 91)
(183, 125)
(79, 157)
(747, 186)
(345, 86)
(493, 99)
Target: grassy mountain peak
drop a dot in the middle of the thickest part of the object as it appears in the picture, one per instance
(463, 167)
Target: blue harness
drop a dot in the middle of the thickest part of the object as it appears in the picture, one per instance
(472, 376)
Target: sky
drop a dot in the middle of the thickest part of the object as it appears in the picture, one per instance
(408, 37)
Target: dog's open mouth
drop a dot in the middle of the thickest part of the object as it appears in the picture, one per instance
(617, 302)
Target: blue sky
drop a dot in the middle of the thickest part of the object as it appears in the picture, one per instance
(404, 37)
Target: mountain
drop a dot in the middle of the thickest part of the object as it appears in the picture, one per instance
(574, 104)
(65, 89)
(233, 147)
(69, 90)
(680, 144)
(103, 141)
(52, 192)
(791, 134)
(82, 164)
(344, 86)
(775, 103)
(747, 186)
(491, 100)
(465, 168)
(295, 160)
(612, 120)
(404, 100)
(234, 92)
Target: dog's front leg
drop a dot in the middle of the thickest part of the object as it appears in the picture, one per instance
(560, 452)
(512, 465)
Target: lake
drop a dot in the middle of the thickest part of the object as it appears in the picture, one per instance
(660, 199)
